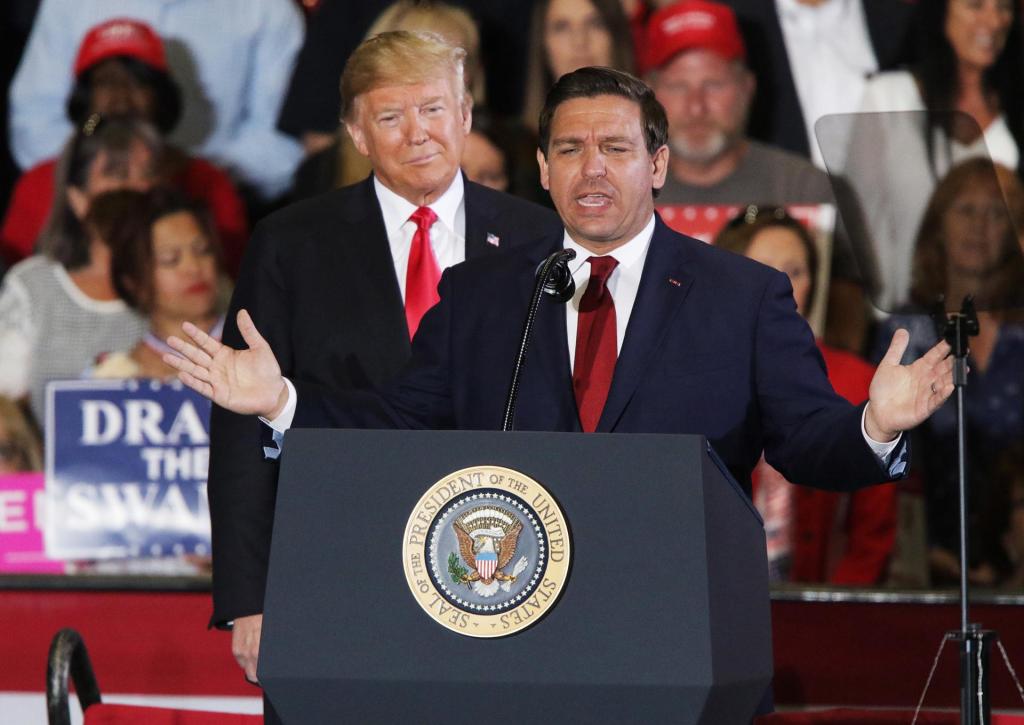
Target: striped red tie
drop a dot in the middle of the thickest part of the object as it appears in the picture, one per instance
(596, 344)
(422, 274)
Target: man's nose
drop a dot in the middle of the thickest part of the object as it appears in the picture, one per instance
(696, 102)
(415, 129)
(593, 164)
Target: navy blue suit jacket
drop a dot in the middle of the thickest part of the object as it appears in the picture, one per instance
(714, 346)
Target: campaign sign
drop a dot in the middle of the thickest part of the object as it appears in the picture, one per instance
(126, 468)
(22, 512)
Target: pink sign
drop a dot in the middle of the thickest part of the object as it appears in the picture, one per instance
(21, 526)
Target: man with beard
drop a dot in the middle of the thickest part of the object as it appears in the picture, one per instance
(696, 65)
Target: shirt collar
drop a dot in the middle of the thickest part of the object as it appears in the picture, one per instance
(629, 254)
(828, 12)
(397, 210)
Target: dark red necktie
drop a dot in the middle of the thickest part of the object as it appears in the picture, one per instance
(596, 344)
(422, 274)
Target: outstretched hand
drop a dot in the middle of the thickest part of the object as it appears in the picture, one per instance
(244, 381)
(903, 396)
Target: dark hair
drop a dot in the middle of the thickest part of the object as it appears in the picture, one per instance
(591, 82)
(132, 215)
(741, 230)
(538, 72)
(936, 71)
(63, 239)
(929, 272)
(167, 111)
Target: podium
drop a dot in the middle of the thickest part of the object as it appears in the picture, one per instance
(664, 615)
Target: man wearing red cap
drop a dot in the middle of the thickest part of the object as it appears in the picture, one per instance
(695, 62)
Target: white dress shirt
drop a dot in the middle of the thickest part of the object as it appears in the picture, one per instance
(447, 235)
(623, 284)
(830, 57)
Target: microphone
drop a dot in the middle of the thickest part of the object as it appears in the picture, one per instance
(558, 282)
(552, 278)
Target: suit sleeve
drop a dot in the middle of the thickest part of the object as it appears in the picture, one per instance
(420, 398)
(811, 435)
(242, 484)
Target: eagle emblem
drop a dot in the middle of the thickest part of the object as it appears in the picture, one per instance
(487, 536)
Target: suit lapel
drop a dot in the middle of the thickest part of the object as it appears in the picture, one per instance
(546, 380)
(664, 284)
(482, 235)
(376, 267)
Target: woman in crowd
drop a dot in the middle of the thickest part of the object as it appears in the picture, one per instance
(121, 70)
(59, 309)
(961, 99)
(571, 34)
(968, 244)
(484, 158)
(805, 527)
(19, 446)
(165, 264)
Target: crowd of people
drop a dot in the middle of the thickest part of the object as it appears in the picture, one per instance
(151, 140)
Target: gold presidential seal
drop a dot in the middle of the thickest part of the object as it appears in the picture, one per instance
(486, 551)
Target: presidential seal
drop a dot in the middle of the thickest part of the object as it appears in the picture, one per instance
(486, 551)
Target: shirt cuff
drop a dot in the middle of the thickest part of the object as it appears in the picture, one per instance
(284, 419)
(883, 451)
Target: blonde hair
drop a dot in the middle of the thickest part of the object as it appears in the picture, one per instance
(453, 24)
(400, 58)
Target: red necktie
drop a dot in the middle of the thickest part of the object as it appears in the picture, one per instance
(596, 344)
(422, 274)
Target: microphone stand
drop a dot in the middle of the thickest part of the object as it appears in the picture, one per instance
(553, 279)
(975, 642)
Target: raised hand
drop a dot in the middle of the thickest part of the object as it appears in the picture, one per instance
(244, 381)
(903, 396)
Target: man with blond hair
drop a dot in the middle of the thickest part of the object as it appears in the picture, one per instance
(338, 283)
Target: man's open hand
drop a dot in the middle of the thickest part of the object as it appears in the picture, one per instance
(244, 381)
(903, 396)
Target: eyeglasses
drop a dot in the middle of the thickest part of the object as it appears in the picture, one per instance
(754, 213)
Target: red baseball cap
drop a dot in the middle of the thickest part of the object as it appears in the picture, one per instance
(121, 36)
(692, 25)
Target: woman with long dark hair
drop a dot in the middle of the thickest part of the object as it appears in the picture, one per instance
(968, 244)
(960, 100)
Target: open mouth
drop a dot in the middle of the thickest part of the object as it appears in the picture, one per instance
(594, 201)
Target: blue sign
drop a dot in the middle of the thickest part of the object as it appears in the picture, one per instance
(126, 469)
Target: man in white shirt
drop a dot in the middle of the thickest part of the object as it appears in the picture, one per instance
(671, 335)
(338, 283)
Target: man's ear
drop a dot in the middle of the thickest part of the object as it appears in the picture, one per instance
(659, 162)
(467, 112)
(355, 132)
(78, 201)
(542, 162)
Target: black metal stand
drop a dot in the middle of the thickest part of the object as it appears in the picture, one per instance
(553, 279)
(975, 643)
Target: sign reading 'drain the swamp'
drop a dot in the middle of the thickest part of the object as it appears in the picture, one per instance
(126, 467)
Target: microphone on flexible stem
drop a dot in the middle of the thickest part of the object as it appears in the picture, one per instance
(554, 279)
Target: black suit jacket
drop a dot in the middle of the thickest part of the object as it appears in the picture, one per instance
(714, 346)
(776, 116)
(319, 282)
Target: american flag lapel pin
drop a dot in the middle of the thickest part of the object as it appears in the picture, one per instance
(674, 281)
(493, 240)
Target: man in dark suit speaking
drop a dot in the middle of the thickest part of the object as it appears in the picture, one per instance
(337, 284)
(665, 335)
